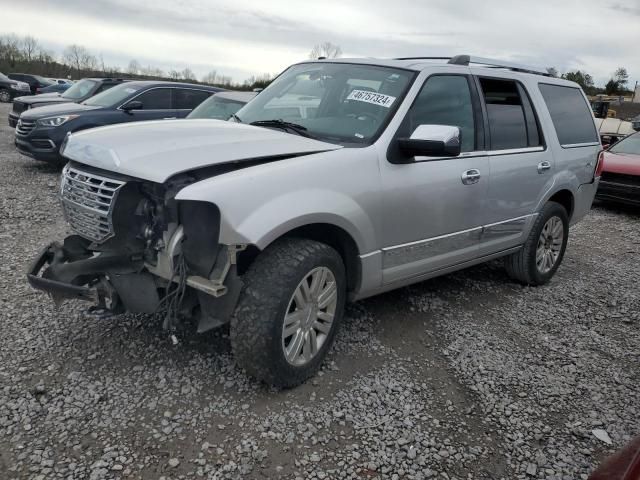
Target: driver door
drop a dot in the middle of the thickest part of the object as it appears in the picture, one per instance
(432, 206)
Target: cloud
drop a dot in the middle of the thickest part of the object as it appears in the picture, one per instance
(247, 37)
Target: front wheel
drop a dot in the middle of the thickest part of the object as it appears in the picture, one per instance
(5, 96)
(542, 253)
(289, 311)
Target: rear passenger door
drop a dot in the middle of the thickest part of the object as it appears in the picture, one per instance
(186, 99)
(521, 165)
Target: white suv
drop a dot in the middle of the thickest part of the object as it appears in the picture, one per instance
(401, 170)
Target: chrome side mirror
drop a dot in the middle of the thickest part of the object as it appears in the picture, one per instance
(432, 141)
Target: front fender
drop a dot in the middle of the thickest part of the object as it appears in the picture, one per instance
(259, 204)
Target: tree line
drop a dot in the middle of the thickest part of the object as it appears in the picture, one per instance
(617, 84)
(27, 55)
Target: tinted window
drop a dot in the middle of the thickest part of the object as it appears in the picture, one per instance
(155, 99)
(188, 99)
(445, 100)
(16, 76)
(512, 122)
(631, 144)
(572, 118)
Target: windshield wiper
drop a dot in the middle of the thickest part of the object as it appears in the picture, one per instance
(294, 127)
(236, 118)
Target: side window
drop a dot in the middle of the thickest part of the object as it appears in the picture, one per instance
(184, 99)
(572, 118)
(155, 99)
(445, 100)
(512, 122)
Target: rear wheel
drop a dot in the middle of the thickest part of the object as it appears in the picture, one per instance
(542, 253)
(5, 96)
(289, 311)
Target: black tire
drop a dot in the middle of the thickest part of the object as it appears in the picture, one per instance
(258, 322)
(521, 266)
(5, 95)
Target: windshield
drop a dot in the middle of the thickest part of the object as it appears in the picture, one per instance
(4, 78)
(216, 107)
(630, 144)
(336, 102)
(112, 97)
(79, 90)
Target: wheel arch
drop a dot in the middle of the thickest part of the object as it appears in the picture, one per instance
(329, 233)
(565, 198)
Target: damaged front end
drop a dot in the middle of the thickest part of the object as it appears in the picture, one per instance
(136, 249)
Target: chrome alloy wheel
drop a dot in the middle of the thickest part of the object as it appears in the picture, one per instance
(549, 244)
(309, 316)
(5, 96)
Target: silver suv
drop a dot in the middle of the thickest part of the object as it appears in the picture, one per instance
(341, 180)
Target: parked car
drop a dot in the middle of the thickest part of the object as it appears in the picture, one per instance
(56, 88)
(613, 129)
(9, 89)
(40, 132)
(620, 182)
(222, 106)
(78, 92)
(61, 81)
(635, 123)
(36, 82)
(407, 169)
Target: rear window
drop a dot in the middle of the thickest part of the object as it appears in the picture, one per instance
(572, 118)
(512, 121)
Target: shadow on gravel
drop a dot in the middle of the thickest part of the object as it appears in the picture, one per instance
(618, 208)
(41, 167)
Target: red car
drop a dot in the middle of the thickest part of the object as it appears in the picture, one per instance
(620, 180)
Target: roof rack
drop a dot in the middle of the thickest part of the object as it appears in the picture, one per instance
(490, 62)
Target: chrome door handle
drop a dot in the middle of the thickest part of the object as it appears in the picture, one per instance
(543, 167)
(471, 176)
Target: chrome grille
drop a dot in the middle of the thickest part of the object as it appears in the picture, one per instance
(24, 127)
(88, 202)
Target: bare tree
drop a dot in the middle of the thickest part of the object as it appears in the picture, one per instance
(210, 77)
(174, 75)
(326, 50)
(188, 74)
(30, 47)
(79, 58)
(133, 68)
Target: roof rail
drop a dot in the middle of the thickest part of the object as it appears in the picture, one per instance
(468, 59)
(422, 58)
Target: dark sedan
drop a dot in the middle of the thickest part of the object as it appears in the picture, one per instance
(41, 131)
(620, 180)
(78, 92)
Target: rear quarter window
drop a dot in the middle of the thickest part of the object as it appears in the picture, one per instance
(572, 118)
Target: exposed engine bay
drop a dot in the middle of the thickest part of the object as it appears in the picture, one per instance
(137, 249)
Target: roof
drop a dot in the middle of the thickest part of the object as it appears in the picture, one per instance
(166, 83)
(478, 65)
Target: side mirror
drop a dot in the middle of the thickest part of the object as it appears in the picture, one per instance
(432, 141)
(134, 105)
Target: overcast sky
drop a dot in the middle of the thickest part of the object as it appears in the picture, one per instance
(245, 37)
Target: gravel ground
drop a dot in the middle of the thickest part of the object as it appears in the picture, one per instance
(466, 376)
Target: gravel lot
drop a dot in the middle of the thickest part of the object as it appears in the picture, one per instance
(466, 376)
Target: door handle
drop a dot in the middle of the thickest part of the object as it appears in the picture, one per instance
(471, 176)
(170, 118)
(543, 167)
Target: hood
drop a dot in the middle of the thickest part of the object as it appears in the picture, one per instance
(57, 109)
(157, 150)
(625, 163)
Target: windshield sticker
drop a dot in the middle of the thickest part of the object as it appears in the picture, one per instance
(372, 97)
